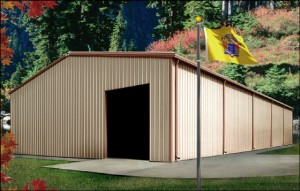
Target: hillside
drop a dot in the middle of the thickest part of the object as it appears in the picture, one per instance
(269, 28)
(272, 37)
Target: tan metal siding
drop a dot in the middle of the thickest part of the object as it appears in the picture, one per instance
(288, 117)
(172, 102)
(187, 111)
(211, 114)
(238, 120)
(62, 111)
(262, 123)
(277, 125)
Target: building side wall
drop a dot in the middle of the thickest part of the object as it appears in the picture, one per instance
(277, 125)
(211, 110)
(62, 112)
(211, 116)
(238, 120)
(262, 120)
(288, 118)
(187, 111)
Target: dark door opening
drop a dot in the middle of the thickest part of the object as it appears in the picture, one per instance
(128, 122)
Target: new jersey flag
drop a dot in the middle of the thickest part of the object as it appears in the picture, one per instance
(226, 46)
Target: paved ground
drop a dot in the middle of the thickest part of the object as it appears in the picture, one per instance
(248, 164)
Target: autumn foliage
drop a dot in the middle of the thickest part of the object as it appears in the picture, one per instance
(34, 8)
(186, 41)
(8, 143)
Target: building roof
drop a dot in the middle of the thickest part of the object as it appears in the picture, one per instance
(150, 54)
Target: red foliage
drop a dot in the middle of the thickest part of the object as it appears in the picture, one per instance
(187, 40)
(214, 65)
(8, 144)
(36, 185)
(4, 178)
(273, 19)
(35, 9)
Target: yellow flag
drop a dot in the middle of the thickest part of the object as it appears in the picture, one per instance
(226, 46)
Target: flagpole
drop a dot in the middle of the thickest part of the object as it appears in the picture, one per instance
(198, 19)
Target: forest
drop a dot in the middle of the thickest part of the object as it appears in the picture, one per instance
(269, 28)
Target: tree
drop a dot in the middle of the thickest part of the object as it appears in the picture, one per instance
(170, 17)
(35, 9)
(17, 77)
(235, 72)
(280, 86)
(85, 25)
(210, 11)
(116, 36)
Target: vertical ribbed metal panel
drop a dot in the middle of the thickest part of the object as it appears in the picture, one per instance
(211, 114)
(172, 114)
(288, 118)
(238, 120)
(62, 111)
(262, 123)
(277, 125)
(187, 111)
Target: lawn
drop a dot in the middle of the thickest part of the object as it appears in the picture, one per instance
(293, 150)
(24, 170)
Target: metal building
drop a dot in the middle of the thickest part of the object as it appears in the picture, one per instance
(140, 105)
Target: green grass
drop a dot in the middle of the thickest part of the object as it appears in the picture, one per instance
(293, 150)
(24, 170)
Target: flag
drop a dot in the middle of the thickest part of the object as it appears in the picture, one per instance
(226, 46)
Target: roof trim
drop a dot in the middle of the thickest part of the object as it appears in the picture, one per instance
(150, 54)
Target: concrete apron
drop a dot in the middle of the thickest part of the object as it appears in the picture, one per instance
(248, 164)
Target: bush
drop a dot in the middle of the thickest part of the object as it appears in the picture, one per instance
(276, 23)
(182, 42)
(235, 72)
(253, 42)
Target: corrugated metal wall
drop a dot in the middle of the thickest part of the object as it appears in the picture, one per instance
(211, 110)
(230, 116)
(62, 111)
(211, 116)
(288, 117)
(238, 120)
(187, 92)
(262, 123)
(277, 125)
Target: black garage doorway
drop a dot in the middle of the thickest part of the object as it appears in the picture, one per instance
(128, 122)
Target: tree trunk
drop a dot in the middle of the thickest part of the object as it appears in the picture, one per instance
(272, 5)
(229, 8)
(225, 9)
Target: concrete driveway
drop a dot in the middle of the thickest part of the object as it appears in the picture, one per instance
(248, 164)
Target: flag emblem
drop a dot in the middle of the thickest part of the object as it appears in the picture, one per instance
(226, 46)
(231, 45)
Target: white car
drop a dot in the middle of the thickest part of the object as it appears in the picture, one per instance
(5, 123)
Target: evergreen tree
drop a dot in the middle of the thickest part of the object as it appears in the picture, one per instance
(17, 77)
(235, 72)
(210, 11)
(116, 36)
(72, 26)
(170, 17)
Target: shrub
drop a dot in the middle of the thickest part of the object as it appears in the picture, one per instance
(277, 23)
(182, 42)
